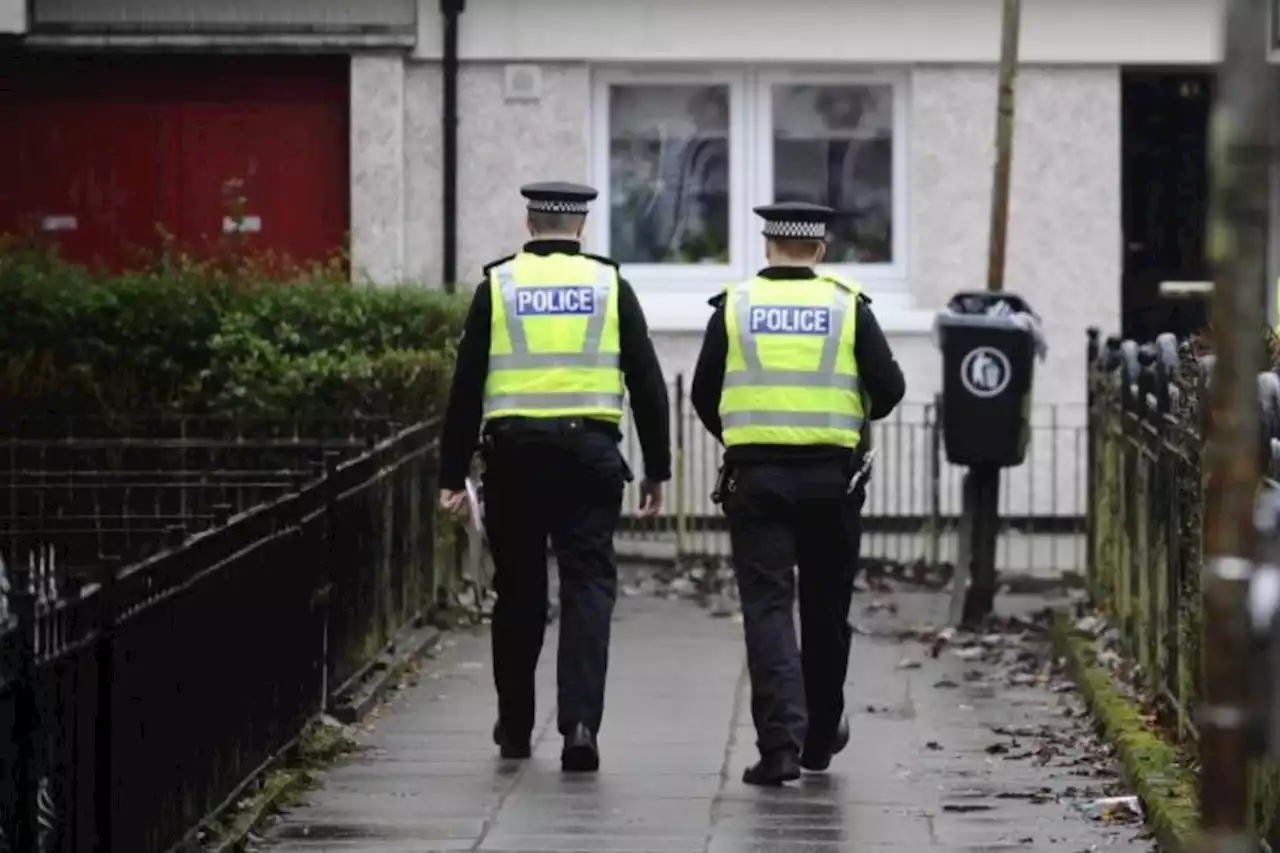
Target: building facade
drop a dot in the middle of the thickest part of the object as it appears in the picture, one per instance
(684, 113)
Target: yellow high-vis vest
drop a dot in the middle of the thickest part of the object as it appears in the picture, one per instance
(554, 342)
(790, 375)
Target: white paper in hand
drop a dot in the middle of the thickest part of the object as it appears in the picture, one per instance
(477, 569)
(475, 508)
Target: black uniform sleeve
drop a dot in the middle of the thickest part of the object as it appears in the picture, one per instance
(650, 406)
(708, 376)
(878, 370)
(466, 398)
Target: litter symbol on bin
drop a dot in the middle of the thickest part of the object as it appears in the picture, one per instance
(985, 372)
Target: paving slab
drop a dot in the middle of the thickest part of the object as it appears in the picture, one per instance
(949, 754)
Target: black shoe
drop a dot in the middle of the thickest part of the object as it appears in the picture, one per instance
(773, 769)
(817, 760)
(580, 753)
(510, 748)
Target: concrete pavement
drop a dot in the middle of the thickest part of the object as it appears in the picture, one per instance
(1028, 555)
(969, 751)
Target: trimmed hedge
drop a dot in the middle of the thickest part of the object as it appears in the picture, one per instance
(244, 340)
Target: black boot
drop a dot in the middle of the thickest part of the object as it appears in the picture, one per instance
(580, 753)
(773, 769)
(509, 747)
(818, 759)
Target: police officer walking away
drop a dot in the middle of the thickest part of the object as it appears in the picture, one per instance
(792, 367)
(552, 336)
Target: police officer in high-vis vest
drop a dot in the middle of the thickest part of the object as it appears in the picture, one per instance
(553, 339)
(792, 368)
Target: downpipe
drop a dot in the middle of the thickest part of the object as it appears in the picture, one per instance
(450, 12)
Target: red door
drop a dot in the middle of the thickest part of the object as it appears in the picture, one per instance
(83, 174)
(108, 153)
(266, 174)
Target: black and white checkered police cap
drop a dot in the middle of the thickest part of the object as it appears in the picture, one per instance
(559, 197)
(795, 220)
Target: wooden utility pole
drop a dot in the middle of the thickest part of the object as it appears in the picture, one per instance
(1010, 29)
(980, 526)
(1240, 179)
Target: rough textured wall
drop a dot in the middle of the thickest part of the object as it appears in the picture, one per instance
(423, 177)
(505, 144)
(377, 167)
(1064, 251)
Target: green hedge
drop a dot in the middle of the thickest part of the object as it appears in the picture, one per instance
(221, 340)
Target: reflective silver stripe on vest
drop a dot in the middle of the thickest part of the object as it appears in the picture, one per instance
(813, 420)
(521, 359)
(554, 400)
(756, 376)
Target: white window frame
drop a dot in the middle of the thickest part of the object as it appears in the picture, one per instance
(672, 289)
(885, 280)
(674, 278)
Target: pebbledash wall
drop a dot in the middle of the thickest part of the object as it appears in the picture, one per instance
(1064, 250)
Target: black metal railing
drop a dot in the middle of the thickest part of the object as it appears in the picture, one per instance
(1148, 416)
(139, 702)
(913, 510)
(1146, 496)
(94, 487)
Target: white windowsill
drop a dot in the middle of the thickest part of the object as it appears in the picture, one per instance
(668, 312)
(908, 321)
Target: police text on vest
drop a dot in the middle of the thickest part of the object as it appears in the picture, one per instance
(560, 299)
(790, 320)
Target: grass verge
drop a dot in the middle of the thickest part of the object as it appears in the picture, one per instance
(1154, 769)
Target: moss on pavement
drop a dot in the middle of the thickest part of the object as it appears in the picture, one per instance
(1157, 771)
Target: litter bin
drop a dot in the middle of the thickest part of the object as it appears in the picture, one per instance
(989, 343)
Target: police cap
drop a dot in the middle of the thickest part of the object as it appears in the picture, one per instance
(795, 220)
(559, 197)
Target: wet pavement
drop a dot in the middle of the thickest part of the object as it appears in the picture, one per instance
(1043, 556)
(980, 748)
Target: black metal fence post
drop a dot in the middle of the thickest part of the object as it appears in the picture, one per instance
(104, 753)
(1093, 355)
(933, 423)
(324, 595)
(424, 541)
(678, 499)
(28, 732)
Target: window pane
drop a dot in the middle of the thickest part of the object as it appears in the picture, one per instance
(669, 174)
(833, 145)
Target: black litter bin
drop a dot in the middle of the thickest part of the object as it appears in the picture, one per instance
(987, 366)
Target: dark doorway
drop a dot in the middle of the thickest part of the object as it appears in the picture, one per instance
(1164, 140)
